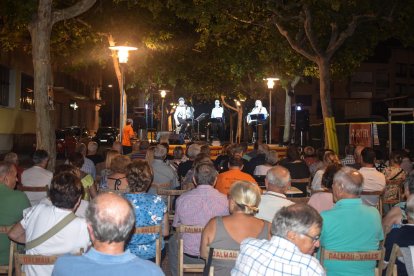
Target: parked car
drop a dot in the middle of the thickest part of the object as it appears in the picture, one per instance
(106, 135)
(80, 133)
(65, 143)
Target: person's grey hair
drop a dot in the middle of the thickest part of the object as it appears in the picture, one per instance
(278, 176)
(193, 150)
(39, 156)
(205, 174)
(350, 180)
(106, 228)
(160, 152)
(5, 168)
(297, 218)
(92, 146)
(11, 157)
(410, 207)
(263, 148)
(271, 157)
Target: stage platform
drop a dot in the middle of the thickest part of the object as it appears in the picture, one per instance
(216, 150)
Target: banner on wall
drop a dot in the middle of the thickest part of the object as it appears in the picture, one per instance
(360, 134)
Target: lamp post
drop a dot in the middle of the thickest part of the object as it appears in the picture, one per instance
(122, 53)
(270, 85)
(163, 93)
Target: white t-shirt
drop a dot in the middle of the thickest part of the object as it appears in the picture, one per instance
(36, 177)
(270, 203)
(39, 219)
(317, 180)
(217, 112)
(373, 181)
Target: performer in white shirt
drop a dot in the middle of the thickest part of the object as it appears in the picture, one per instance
(217, 121)
(256, 124)
(182, 114)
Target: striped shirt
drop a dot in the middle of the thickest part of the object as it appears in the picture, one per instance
(275, 257)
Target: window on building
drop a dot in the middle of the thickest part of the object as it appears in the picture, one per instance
(4, 85)
(401, 70)
(27, 92)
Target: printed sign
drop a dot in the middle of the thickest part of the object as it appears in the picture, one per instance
(360, 134)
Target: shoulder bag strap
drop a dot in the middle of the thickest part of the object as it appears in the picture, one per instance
(395, 176)
(51, 232)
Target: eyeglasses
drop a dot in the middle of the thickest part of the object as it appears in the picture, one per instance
(314, 239)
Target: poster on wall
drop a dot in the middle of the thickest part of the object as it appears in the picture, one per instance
(360, 134)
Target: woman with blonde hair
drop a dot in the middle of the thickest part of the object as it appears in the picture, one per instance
(329, 158)
(229, 231)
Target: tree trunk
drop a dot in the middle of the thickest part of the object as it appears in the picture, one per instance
(40, 31)
(288, 108)
(331, 140)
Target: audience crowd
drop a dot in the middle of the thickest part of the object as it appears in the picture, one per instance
(250, 203)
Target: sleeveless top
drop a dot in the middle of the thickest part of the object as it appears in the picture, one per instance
(223, 240)
(117, 182)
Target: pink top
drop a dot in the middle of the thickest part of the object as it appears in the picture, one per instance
(321, 201)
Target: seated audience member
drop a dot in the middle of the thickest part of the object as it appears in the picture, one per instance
(226, 179)
(37, 176)
(142, 150)
(93, 153)
(150, 209)
(65, 194)
(76, 159)
(296, 166)
(117, 146)
(403, 237)
(295, 235)
(12, 204)
(309, 156)
(163, 174)
(178, 154)
(380, 164)
(318, 164)
(222, 161)
(110, 219)
(196, 207)
(357, 157)
(134, 151)
(205, 149)
(328, 159)
(397, 215)
(117, 180)
(149, 155)
(192, 151)
(188, 182)
(12, 157)
(406, 164)
(350, 225)
(258, 160)
(88, 166)
(167, 147)
(277, 183)
(270, 161)
(81, 210)
(373, 180)
(103, 182)
(394, 170)
(349, 158)
(323, 199)
(229, 231)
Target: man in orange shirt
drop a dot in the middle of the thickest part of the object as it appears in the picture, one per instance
(226, 179)
(127, 134)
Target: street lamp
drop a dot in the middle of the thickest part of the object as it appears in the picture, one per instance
(122, 53)
(163, 93)
(270, 85)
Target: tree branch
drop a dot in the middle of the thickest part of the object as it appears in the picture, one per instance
(295, 46)
(251, 22)
(307, 25)
(226, 104)
(73, 11)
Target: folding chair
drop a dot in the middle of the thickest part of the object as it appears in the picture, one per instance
(155, 229)
(260, 180)
(374, 255)
(182, 267)
(375, 194)
(170, 194)
(8, 268)
(392, 267)
(35, 189)
(227, 255)
(23, 259)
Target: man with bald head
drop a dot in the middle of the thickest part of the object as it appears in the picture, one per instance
(350, 226)
(277, 182)
(110, 219)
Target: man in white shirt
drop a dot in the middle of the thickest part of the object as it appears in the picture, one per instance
(217, 125)
(37, 176)
(277, 182)
(65, 194)
(373, 180)
(256, 124)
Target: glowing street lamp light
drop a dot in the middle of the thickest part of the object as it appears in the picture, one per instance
(270, 85)
(122, 53)
(163, 93)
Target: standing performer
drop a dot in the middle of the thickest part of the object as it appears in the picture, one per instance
(217, 121)
(127, 135)
(183, 115)
(256, 120)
